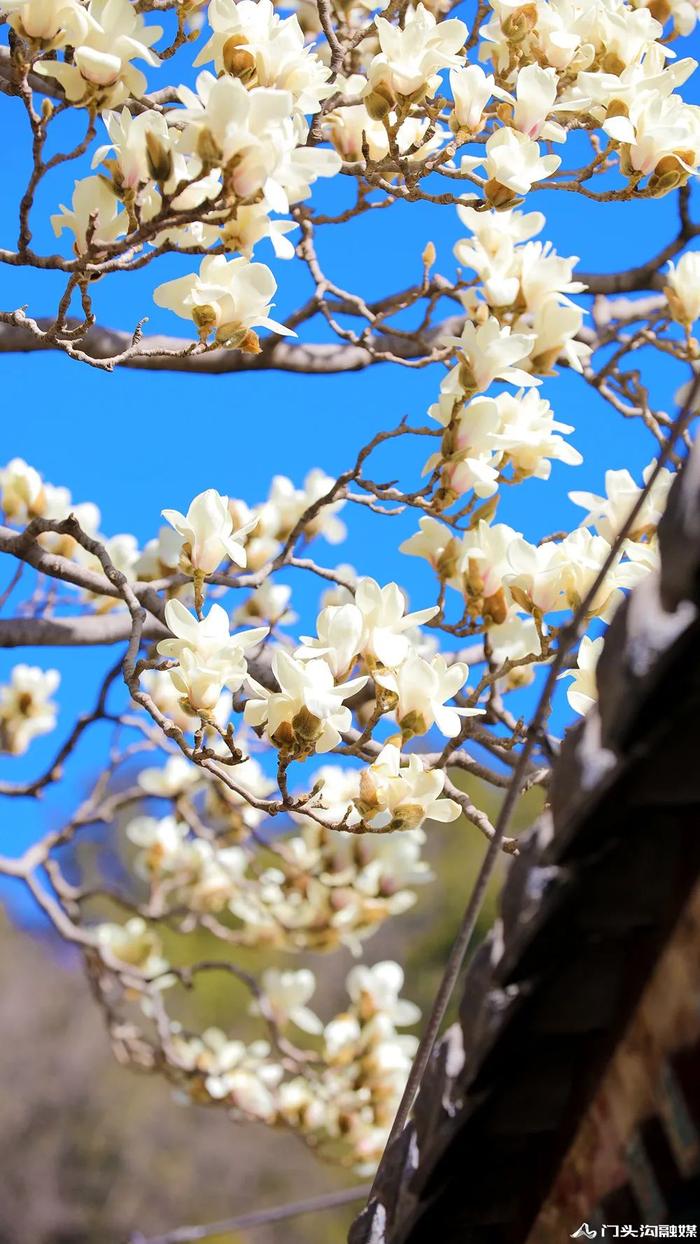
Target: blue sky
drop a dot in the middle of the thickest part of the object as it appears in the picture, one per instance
(135, 442)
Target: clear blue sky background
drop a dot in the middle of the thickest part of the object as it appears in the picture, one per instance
(135, 442)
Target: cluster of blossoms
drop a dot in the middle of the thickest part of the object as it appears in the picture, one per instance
(221, 166)
(316, 889)
(212, 169)
(343, 1095)
(524, 323)
(218, 166)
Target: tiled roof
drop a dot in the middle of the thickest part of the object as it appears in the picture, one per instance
(588, 906)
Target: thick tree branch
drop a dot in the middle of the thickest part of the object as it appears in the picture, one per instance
(646, 275)
(80, 632)
(161, 353)
(19, 545)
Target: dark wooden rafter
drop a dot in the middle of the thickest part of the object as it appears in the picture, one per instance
(588, 908)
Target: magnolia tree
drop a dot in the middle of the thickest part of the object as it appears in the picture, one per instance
(289, 777)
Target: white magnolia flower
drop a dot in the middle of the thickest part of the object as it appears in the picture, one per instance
(411, 58)
(166, 697)
(546, 276)
(528, 435)
(286, 994)
(230, 297)
(159, 557)
(142, 149)
(339, 593)
(251, 224)
(286, 506)
(95, 212)
(208, 657)
(469, 457)
(339, 638)
(557, 575)
(555, 329)
(392, 797)
(123, 552)
(191, 871)
(253, 137)
(101, 71)
(485, 560)
(422, 689)
(536, 575)
(514, 163)
(375, 626)
(350, 128)
(207, 533)
(135, 944)
(435, 542)
(385, 622)
(161, 840)
(483, 437)
(582, 555)
(641, 558)
(376, 989)
(512, 639)
(682, 288)
(660, 138)
(177, 775)
(582, 693)
(48, 24)
(536, 96)
(471, 91)
(607, 514)
(253, 43)
(307, 714)
(494, 230)
(26, 707)
(488, 352)
(22, 492)
(268, 603)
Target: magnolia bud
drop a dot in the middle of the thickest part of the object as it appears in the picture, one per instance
(232, 336)
(307, 727)
(238, 60)
(160, 160)
(498, 195)
(613, 64)
(496, 607)
(445, 496)
(466, 377)
(521, 598)
(669, 174)
(208, 149)
(519, 23)
(447, 561)
(250, 343)
(205, 318)
(407, 816)
(617, 108)
(379, 102)
(413, 723)
(543, 364)
(368, 793)
(429, 255)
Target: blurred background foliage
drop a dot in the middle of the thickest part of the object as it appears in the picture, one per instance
(91, 1151)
